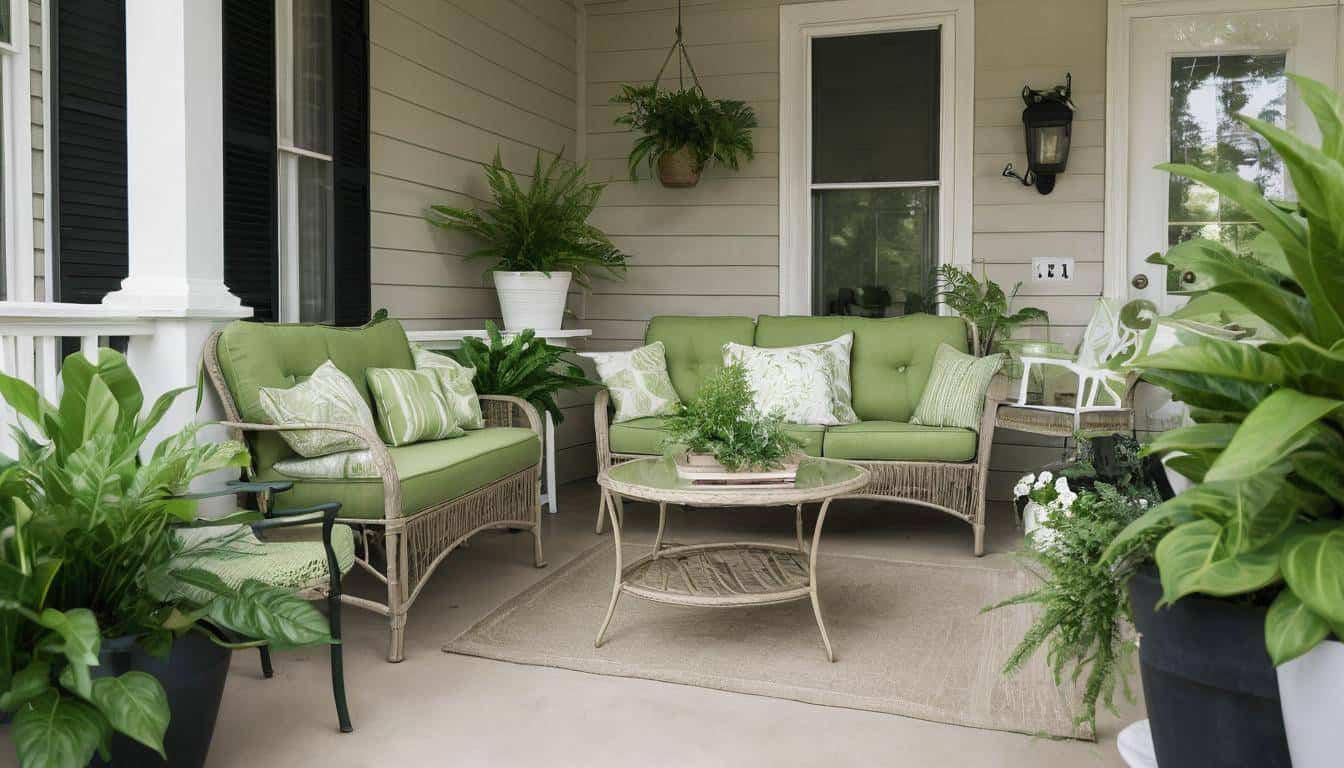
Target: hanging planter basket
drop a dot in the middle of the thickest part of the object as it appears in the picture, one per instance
(679, 169)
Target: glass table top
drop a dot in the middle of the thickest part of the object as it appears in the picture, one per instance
(660, 473)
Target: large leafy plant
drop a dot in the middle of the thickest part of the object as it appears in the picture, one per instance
(712, 130)
(522, 366)
(722, 421)
(88, 551)
(984, 304)
(541, 228)
(1263, 522)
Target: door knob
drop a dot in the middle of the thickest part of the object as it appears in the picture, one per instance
(1140, 281)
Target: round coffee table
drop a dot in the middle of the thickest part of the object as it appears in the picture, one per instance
(723, 574)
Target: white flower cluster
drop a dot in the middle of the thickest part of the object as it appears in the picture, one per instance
(1057, 497)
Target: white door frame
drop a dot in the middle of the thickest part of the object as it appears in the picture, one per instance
(1120, 17)
(798, 24)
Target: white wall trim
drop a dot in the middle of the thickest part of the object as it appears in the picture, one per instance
(798, 24)
(1121, 14)
(17, 138)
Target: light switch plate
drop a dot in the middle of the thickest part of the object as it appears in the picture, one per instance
(1048, 269)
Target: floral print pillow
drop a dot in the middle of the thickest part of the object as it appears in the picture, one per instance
(638, 381)
(808, 384)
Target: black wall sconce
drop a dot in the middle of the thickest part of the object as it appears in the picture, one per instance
(1048, 122)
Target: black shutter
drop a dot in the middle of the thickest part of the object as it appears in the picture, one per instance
(350, 151)
(250, 236)
(88, 144)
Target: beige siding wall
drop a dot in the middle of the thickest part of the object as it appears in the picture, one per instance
(452, 81)
(714, 249)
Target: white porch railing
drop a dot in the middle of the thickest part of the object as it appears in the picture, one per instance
(30, 344)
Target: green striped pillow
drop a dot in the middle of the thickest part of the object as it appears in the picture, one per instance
(955, 393)
(457, 387)
(411, 406)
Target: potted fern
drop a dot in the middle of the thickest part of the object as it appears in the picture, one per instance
(522, 366)
(537, 239)
(683, 132)
(721, 431)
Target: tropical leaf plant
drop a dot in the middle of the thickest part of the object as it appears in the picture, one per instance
(1263, 522)
(539, 227)
(522, 366)
(89, 551)
(723, 421)
(984, 304)
(715, 131)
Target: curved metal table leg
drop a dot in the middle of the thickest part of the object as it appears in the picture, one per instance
(620, 566)
(662, 526)
(812, 579)
(798, 528)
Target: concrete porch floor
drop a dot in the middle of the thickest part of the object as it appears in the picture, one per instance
(442, 709)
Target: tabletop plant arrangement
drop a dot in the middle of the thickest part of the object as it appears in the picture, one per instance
(537, 239)
(522, 366)
(1262, 528)
(721, 431)
(90, 560)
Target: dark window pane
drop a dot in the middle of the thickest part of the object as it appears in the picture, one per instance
(874, 250)
(875, 107)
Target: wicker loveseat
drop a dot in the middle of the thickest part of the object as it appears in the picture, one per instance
(428, 497)
(940, 467)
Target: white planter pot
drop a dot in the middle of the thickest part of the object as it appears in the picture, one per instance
(1311, 690)
(1032, 515)
(532, 299)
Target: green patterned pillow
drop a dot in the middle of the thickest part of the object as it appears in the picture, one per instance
(638, 381)
(347, 465)
(411, 406)
(955, 393)
(455, 379)
(328, 396)
(807, 384)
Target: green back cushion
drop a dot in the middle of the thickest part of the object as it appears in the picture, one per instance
(891, 360)
(256, 355)
(694, 346)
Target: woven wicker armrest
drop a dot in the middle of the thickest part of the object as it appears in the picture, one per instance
(382, 459)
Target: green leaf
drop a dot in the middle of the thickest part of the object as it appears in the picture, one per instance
(27, 684)
(269, 613)
(77, 375)
(1196, 438)
(77, 679)
(26, 401)
(78, 630)
(1291, 628)
(1313, 368)
(1327, 107)
(1323, 469)
(56, 732)
(181, 509)
(1313, 566)
(1194, 558)
(1214, 357)
(136, 705)
(204, 580)
(100, 410)
(1278, 425)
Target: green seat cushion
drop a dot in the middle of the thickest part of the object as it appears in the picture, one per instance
(645, 436)
(235, 555)
(898, 441)
(891, 358)
(255, 355)
(694, 346)
(431, 473)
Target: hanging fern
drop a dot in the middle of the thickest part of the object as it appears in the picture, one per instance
(715, 131)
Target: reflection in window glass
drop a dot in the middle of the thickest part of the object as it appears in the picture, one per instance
(874, 250)
(1206, 93)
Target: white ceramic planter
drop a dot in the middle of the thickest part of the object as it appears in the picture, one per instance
(1032, 515)
(1311, 690)
(532, 299)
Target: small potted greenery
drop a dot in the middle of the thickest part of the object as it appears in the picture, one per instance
(537, 239)
(101, 607)
(523, 366)
(720, 430)
(683, 132)
(1250, 559)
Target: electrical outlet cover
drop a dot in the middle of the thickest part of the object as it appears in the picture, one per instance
(1047, 269)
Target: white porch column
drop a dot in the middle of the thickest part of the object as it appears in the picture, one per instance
(175, 178)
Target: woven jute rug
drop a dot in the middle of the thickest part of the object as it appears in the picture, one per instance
(909, 640)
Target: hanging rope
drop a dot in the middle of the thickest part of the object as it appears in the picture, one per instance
(679, 48)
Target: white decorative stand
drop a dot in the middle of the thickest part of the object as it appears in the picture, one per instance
(560, 338)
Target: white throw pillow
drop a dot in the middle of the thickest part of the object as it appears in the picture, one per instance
(638, 381)
(327, 397)
(808, 384)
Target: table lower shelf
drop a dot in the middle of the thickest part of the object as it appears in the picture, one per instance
(720, 574)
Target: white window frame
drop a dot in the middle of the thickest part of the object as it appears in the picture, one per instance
(798, 26)
(16, 142)
(1121, 15)
(287, 168)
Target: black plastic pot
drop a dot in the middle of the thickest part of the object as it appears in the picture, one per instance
(1211, 691)
(193, 676)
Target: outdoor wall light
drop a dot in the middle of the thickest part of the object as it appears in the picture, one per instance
(1048, 122)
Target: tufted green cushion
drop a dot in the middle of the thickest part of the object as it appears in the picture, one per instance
(255, 355)
(898, 441)
(431, 473)
(892, 356)
(646, 435)
(694, 346)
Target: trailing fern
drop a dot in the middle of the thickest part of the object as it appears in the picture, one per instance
(722, 421)
(713, 130)
(524, 366)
